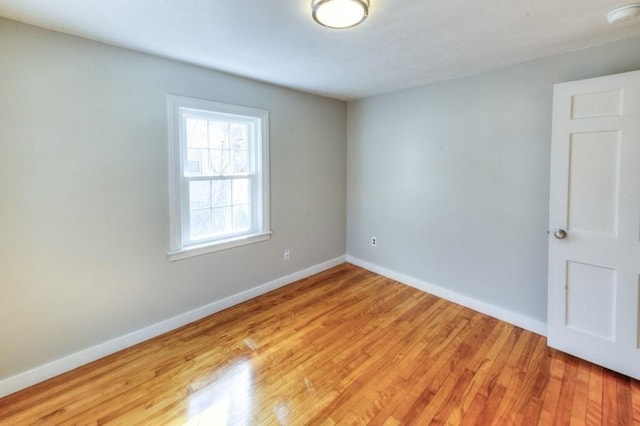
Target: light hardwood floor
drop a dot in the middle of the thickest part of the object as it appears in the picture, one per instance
(345, 346)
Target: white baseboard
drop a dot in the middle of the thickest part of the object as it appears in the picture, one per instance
(515, 318)
(62, 365)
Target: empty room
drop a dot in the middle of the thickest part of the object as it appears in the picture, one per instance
(292, 212)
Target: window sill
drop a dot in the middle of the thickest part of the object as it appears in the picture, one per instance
(192, 251)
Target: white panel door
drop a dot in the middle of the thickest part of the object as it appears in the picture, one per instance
(594, 238)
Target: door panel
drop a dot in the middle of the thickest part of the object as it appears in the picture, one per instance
(591, 294)
(593, 181)
(591, 105)
(595, 196)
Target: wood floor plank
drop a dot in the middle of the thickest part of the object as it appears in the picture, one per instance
(433, 369)
(472, 414)
(528, 403)
(581, 396)
(512, 376)
(552, 391)
(365, 372)
(449, 390)
(567, 391)
(594, 403)
(624, 403)
(635, 398)
(493, 344)
(345, 346)
(609, 399)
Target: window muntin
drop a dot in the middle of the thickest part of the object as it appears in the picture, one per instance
(219, 175)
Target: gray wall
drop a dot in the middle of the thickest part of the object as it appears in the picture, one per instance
(84, 222)
(453, 178)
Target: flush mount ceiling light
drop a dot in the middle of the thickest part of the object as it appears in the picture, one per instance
(339, 13)
(624, 13)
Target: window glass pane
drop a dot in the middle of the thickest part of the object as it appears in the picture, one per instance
(221, 220)
(215, 161)
(241, 191)
(241, 217)
(200, 223)
(194, 162)
(239, 136)
(196, 133)
(199, 195)
(218, 134)
(219, 162)
(240, 162)
(227, 169)
(221, 193)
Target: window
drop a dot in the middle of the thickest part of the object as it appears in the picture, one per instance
(218, 160)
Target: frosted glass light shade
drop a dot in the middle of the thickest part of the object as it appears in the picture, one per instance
(624, 13)
(339, 13)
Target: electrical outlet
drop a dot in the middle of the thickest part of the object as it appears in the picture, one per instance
(287, 255)
(374, 241)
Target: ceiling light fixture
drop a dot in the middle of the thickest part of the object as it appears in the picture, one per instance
(339, 13)
(624, 13)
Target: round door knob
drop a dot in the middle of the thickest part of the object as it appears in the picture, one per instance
(560, 234)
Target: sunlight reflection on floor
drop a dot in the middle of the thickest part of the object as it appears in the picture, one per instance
(228, 400)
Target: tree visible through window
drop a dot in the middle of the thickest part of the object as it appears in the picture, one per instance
(219, 174)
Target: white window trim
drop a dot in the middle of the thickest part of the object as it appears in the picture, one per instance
(178, 250)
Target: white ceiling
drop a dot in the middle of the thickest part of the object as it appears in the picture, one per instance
(403, 43)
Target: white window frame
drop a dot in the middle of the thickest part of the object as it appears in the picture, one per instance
(180, 107)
